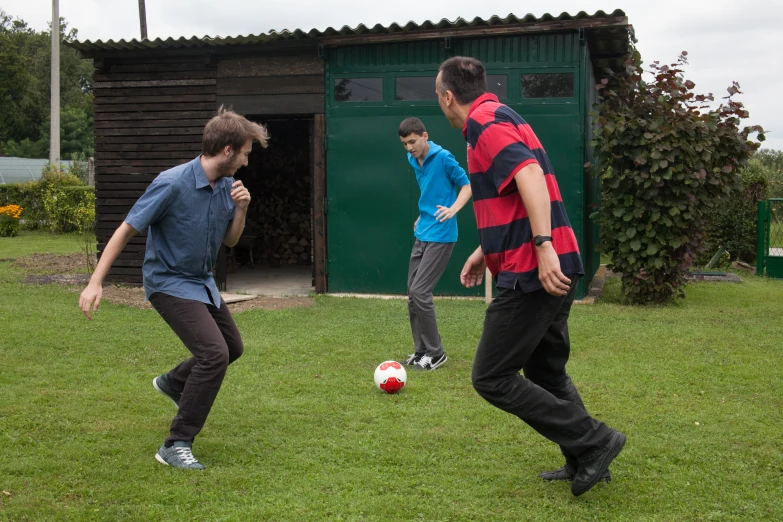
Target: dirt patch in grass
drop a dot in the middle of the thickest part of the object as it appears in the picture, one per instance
(70, 270)
(271, 303)
(53, 264)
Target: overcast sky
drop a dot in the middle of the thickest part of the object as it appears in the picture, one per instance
(727, 40)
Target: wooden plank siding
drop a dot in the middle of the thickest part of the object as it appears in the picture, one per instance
(272, 85)
(150, 113)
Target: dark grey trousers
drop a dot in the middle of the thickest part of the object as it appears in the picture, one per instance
(428, 261)
(528, 332)
(211, 335)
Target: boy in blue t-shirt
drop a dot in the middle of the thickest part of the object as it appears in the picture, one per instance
(445, 189)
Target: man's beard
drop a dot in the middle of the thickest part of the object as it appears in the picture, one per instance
(227, 169)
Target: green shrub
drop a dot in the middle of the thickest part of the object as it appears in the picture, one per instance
(773, 162)
(52, 202)
(666, 160)
(733, 223)
(65, 206)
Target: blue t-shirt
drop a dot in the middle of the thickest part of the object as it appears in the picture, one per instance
(187, 220)
(439, 179)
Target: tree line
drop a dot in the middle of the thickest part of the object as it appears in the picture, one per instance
(25, 90)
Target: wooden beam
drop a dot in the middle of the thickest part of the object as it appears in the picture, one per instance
(319, 201)
(275, 104)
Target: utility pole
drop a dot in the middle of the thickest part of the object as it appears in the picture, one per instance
(143, 19)
(54, 129)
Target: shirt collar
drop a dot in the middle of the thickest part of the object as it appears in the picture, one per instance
(486, 97)
(200, 176)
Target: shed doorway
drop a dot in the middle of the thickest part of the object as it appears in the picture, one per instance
(276, 254)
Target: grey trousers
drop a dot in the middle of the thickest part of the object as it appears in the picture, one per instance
(427, 264)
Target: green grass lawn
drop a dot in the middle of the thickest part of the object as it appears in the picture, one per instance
(39, 242)
(299, 432)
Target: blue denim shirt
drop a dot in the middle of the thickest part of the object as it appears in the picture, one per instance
(187, 220)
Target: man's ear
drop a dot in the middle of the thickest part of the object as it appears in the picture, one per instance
(227, 150)
(425, 136)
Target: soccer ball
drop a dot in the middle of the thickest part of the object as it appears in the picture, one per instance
(390, 376)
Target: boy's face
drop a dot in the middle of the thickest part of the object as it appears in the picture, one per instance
(415, 144)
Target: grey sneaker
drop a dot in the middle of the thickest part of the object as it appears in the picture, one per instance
(161, 383)
(179, 455)
(411, 360)
(428, 363)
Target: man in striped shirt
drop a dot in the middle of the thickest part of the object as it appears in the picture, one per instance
(529, 247)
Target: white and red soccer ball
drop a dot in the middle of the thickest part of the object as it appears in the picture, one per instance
(390, 376)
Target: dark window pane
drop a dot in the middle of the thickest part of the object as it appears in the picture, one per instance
(358, 89)
(548, 85)
(496, 84)
(412, 88)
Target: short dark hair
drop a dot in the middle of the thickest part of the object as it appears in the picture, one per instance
(463, 76)
(412, 126)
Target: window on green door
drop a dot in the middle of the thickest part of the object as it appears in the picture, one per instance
(497, 85)
(358, 89)
(422, 88)
(413, 88)
(548, 85)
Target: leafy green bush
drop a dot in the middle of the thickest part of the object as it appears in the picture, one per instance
(53, 202)
(65, 206)
(773, 162)
(666, 159)
(733, 222)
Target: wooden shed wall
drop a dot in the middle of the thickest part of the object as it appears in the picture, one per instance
(149, 116)
(272, 85)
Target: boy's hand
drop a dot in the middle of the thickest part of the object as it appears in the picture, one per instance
(415, 224)
(444, 213)
(473, 271)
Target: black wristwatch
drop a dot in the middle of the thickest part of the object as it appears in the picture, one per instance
(540, 240)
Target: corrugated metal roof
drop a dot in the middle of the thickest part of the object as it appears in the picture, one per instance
(88, 46)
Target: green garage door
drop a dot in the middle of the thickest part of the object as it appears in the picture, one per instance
(372, 193)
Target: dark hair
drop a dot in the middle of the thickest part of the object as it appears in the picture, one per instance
(229, 128)
(412, 126)
(463, 76)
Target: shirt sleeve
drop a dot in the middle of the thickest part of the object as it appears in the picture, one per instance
(151, 206)
(454, 172)
(502, 153)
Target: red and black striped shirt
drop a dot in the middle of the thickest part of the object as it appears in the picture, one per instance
(500, 143)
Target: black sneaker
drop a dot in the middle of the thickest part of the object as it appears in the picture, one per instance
(161, 383)
(411, 360)
(428, 363)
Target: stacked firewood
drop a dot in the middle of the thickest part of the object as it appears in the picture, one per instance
(278, 179)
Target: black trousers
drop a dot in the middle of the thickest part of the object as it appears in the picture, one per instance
(211, 335)
(528, 332)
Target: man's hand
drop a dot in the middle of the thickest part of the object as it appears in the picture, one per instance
(445, 213)
(90, 299)
(415, 224)
(549, 272)
(240, 195)
(473, 271)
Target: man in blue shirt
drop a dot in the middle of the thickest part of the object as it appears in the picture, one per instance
(445, 189)
(188, 212)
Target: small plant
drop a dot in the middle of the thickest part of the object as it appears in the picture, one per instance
(9, 220)
(85, 222)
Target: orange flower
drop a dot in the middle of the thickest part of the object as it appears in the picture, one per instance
(12, 211)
